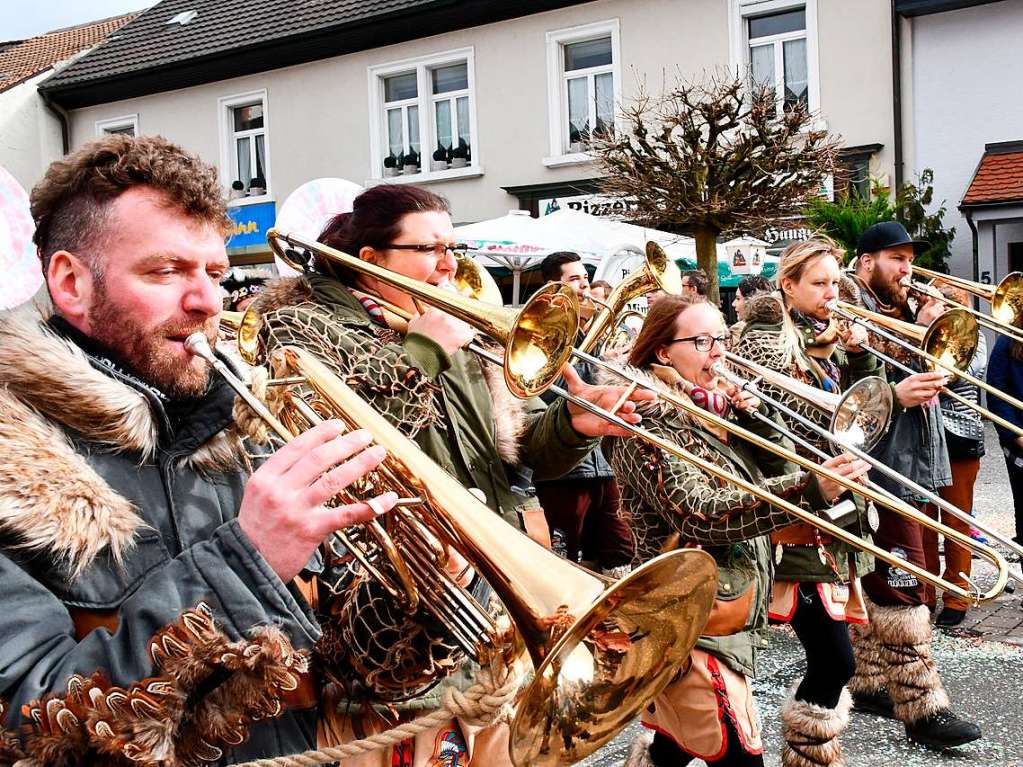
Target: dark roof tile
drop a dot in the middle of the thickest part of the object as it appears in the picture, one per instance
(150, 42)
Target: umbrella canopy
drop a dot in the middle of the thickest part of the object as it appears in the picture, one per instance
(19, 264)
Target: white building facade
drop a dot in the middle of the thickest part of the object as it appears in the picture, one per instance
(504, 105)
(961, 93)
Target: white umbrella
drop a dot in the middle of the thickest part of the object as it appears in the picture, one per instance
(308, 209)
(19, 263)
(515, 241)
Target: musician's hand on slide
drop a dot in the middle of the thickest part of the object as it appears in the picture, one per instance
(851, 336)
(930, 309)
(449, 333)
(919, 388)
(604, 397)
(283, 512)
(742, 400)
(844, 465)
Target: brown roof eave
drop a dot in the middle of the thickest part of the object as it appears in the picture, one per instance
(974, 204)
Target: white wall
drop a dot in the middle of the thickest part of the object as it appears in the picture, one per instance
(30, 137)
(318, 112)
(965, 93)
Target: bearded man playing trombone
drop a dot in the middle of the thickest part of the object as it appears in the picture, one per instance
(895, 674)
(141, 557)
(410, 363)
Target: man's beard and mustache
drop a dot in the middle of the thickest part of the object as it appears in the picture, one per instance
(889, 292)
(145, 352)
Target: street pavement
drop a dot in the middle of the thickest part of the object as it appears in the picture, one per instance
(981, 663)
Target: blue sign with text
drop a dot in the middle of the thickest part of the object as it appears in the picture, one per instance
(250, 224)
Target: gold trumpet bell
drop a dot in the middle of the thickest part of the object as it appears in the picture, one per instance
(1007, 301)
(952, 338)
(658, 273)
(613, 660)
(540, 342)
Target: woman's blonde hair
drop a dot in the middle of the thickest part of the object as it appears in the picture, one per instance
(795, 260)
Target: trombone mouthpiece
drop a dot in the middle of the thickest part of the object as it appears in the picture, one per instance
(198, 345)
(831, 306)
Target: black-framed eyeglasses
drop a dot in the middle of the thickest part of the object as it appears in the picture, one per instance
(439, 249)
(704, 342)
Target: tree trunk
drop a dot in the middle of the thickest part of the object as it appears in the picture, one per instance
(707, 259)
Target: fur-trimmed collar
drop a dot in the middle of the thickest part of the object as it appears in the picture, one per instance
(51, 499)
(764, 308)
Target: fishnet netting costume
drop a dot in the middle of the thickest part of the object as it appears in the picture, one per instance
(766, 347)
(666, 494)
(372, 646)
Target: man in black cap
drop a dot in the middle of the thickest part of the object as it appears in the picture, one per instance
(895, 674)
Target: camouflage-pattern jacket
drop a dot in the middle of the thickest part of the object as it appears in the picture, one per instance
(664, 495)
(762, 341)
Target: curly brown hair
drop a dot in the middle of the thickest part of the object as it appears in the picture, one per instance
(71, 203)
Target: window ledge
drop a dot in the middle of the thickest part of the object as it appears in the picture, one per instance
(572, 158)
(241, 202)
(429, 177)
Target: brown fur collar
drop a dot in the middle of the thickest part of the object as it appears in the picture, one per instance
(765, 308)
(509, 412)
(51, 499)
(283, 292)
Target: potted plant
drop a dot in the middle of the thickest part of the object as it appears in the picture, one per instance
(460, 154)
(257, 186)
(411, 163)
(575, 138)
(390, 166)
(440, 158)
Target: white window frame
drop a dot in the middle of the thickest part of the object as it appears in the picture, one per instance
(739, 12)
(104, 127)
(557, 90)
(225, 107)
(425, 100)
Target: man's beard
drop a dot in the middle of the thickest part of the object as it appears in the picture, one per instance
(889, 293)
(144, 351)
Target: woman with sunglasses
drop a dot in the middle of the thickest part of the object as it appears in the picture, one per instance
(458, 410)
(708, 712)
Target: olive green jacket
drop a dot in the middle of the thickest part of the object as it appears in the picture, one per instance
(762, 341)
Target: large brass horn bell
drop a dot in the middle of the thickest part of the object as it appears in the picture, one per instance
(657, 273)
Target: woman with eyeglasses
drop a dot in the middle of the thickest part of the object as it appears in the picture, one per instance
(708, 712)
(459, 411)
(816, 589)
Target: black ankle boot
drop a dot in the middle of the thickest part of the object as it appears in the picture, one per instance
(878, 703)
(949, 617)
(942, 730)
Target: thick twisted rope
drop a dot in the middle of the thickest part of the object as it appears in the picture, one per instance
(485, 702)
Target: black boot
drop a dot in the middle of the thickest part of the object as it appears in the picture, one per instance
(949, 617)
(942, 730)
(878, 703)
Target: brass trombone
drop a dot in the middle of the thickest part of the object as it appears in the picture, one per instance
(948, 343)
(1006, 298)
(864, 398)
(441, 299)
(625, 642)
(657, 273)
(866, 491)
